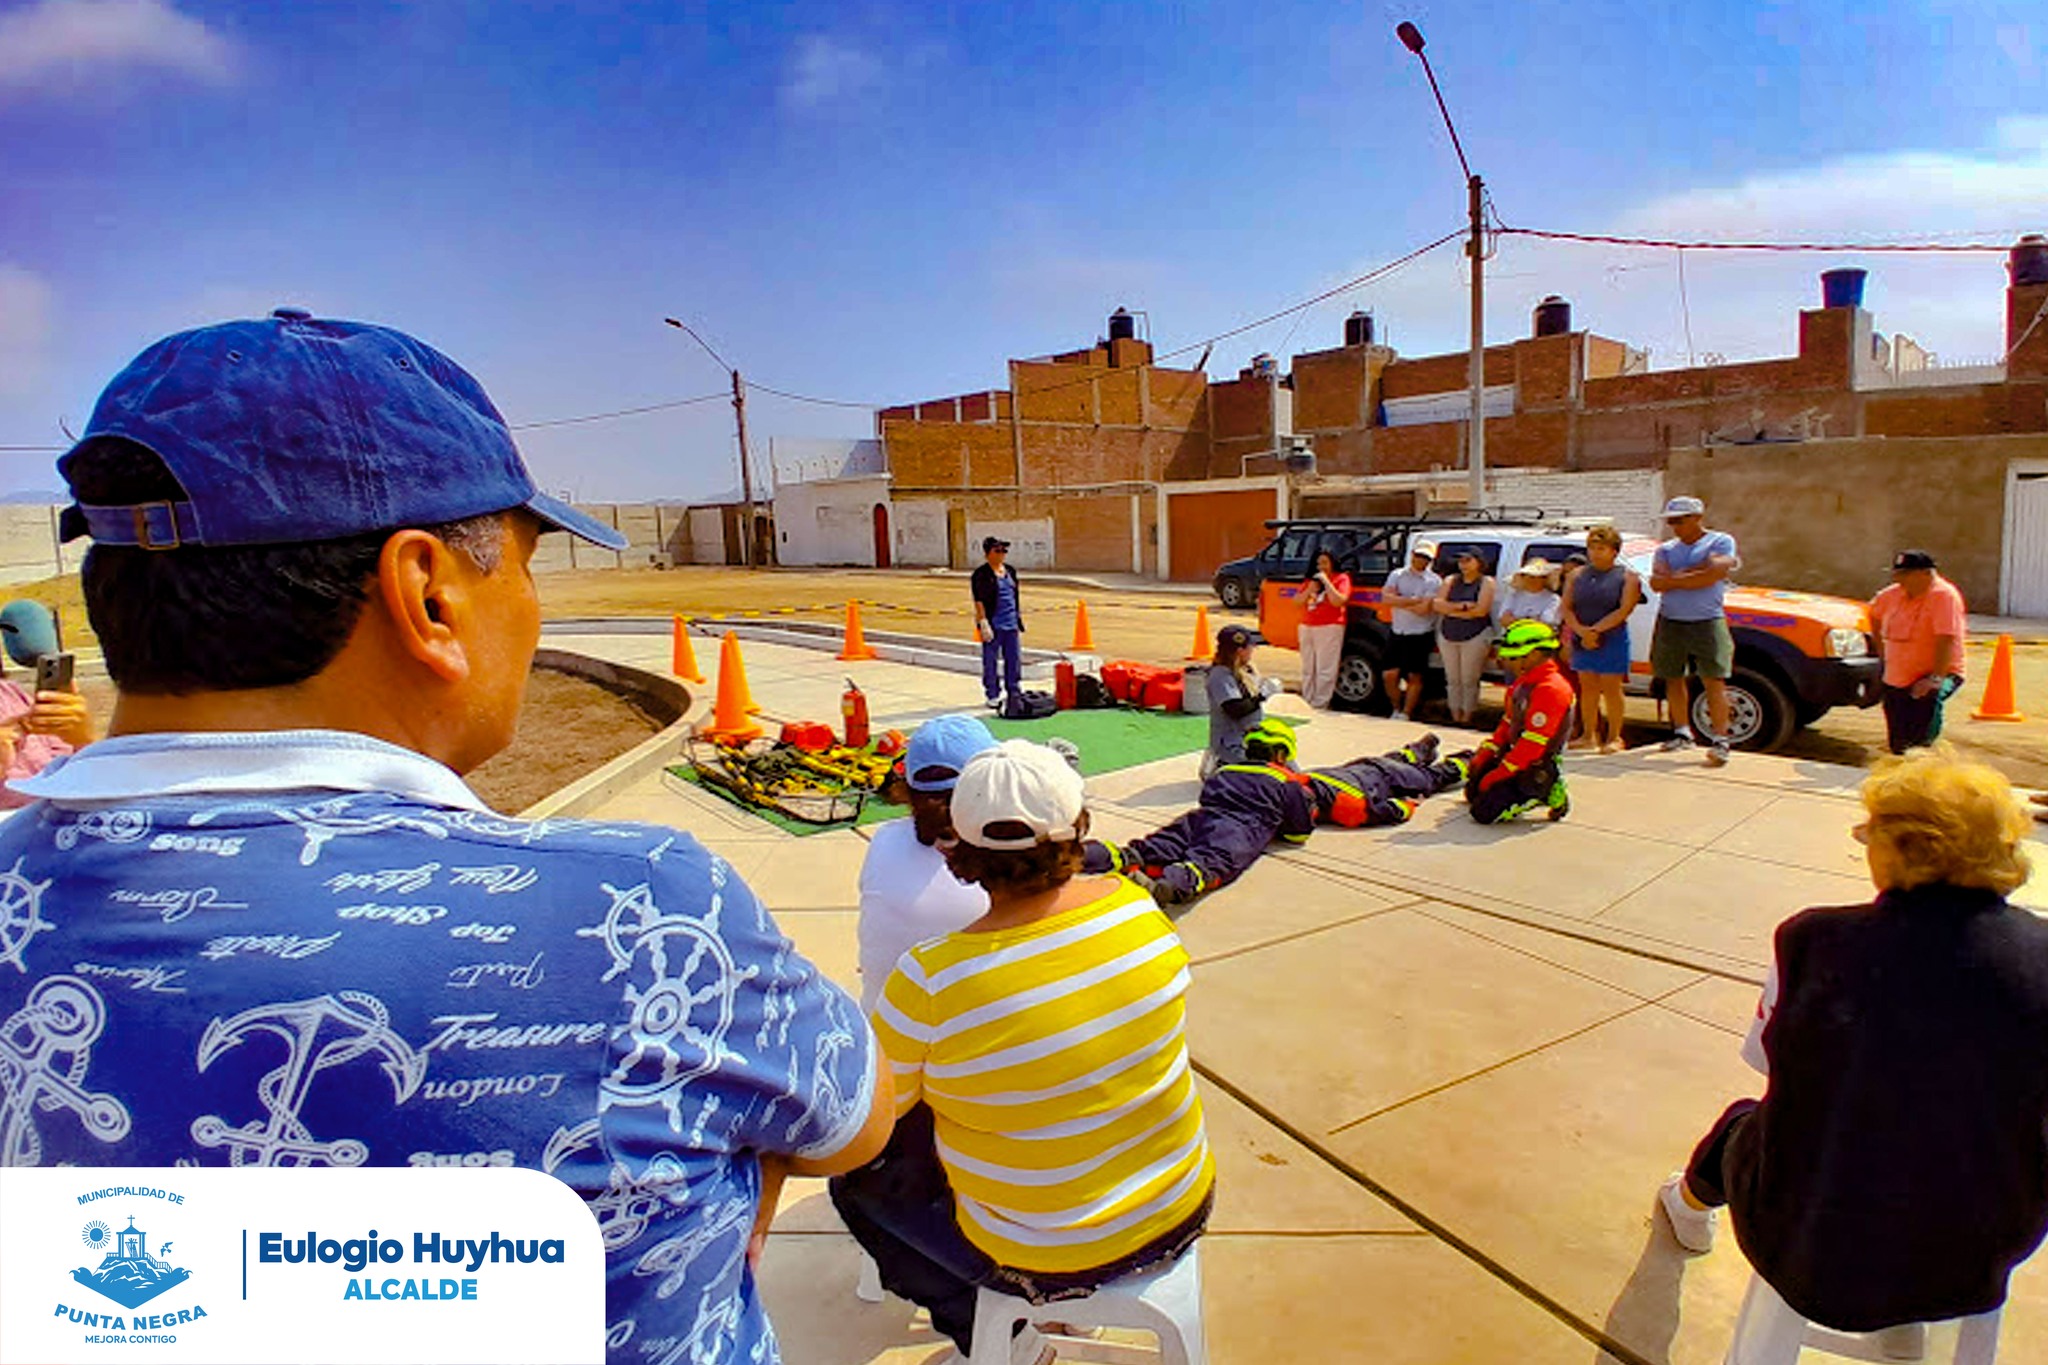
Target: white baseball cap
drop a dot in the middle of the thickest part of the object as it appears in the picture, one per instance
(1422, 547)
(1017, 795)
(1683, 507)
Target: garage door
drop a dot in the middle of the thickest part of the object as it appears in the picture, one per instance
(2026, 549)
(1205, 529)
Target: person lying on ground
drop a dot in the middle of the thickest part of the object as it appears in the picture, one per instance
(1242, 809)
(1515, 770)
(1892, 1173)
(1069, 995)
(907, 893)
(1386, 790)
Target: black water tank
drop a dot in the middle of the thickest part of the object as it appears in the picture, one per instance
(1553, 317)
(2030, 259)
(1122, 326)
(1358, 329)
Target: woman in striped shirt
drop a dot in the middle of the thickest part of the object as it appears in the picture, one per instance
(1049, 1137)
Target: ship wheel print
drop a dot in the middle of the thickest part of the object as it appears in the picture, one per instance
(21, 902)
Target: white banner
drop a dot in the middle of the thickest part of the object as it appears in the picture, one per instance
(373, 1265)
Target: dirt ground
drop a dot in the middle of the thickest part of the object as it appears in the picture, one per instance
(1157, 627)
(569, 726)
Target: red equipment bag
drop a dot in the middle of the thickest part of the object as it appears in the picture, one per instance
(1116, 676)
(809, 735)
(1164, 690)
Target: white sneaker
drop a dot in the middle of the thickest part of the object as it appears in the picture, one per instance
(1717, 753)
(1680, 740)
(1694, 1228)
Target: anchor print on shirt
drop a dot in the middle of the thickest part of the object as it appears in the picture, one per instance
(319, 1034)
(45, 1051)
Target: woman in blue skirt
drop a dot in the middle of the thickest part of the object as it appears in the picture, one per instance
(1597, 602)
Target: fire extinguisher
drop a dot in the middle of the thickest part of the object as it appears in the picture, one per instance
(853, 708)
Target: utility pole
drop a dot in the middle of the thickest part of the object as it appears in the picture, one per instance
(1475, 499)
(739, 412)
(1475, 188)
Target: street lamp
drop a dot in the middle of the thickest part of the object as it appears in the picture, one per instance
(739, 412)
(1475, 444)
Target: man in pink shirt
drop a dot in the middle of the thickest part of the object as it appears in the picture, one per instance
(1920, 634)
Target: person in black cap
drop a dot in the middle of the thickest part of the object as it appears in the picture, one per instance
(999, 620)
(1236, 696)
(1922, 627)
(310, 581)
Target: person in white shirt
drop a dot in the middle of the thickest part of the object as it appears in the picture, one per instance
(907, 894)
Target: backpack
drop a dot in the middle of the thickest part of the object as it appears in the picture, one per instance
(1027, 705)
(1091, 694)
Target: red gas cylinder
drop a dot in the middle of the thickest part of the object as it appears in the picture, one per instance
(853, 709)
(1064, 691)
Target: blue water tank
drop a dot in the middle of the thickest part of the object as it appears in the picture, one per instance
(1842, 288)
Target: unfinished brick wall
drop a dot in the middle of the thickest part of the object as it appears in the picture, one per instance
(1826, 515)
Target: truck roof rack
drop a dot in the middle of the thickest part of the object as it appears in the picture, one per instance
(1489, 516)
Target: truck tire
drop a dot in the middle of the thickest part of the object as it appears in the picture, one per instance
(1761, 717)
(1360, 681)
(1233, 593)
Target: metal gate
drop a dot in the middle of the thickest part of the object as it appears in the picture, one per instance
(2026, 541)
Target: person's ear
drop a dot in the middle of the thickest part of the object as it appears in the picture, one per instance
(425, 601)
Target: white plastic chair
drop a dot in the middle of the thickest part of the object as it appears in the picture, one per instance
(1771, 1332)
(1165, 1302)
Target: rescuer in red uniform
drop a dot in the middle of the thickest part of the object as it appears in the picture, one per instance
(1516, 770)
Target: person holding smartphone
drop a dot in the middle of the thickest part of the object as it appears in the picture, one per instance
(39, 724)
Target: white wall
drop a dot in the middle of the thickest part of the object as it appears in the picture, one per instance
(1030, 540)
(919, 526)
(1633, 498)
(28, 544)
(706, 544)
(828, 522)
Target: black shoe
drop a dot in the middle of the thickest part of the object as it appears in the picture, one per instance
(1423, 751)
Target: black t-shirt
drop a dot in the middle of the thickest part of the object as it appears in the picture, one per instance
(1898, 1168)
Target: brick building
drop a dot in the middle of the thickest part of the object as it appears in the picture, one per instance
(1099, 459)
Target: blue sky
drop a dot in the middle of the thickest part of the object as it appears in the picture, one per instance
(883, 201)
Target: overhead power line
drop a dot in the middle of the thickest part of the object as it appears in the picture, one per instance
(617, 412)
(806, 398)
(33, 450)
(1604, 239)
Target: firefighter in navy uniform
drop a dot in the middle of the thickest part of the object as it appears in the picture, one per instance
(1243, 808)
(1516, 770)
(1386, 790)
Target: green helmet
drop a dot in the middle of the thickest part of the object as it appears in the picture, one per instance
(1526, 637)
(1271, 738)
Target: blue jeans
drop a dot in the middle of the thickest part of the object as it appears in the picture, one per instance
(1008, 646)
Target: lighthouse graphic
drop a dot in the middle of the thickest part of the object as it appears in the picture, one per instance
(129, 1275)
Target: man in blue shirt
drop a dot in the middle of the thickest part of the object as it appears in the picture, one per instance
(265, 923)
(999, 620)
(1690, 575)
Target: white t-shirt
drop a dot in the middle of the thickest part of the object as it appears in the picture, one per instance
(907, 895)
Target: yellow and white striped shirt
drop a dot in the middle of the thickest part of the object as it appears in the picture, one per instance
(1055, 1061)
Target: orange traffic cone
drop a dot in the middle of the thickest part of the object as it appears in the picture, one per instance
(1999, 702)
(683, 655)
(1204, 647)
(730, 713)
(856, 646)
(1084, 639)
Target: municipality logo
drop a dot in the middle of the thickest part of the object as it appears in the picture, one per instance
(129, 1273)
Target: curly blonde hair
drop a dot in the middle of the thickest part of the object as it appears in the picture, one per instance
(1944, 819)
(1603, 535)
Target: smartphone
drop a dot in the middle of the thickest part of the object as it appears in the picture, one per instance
(53, 671)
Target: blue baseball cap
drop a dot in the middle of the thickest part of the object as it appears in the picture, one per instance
(295, 428)
(28, 630)
(941, 748)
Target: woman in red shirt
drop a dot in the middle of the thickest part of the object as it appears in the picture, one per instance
(1323, 598)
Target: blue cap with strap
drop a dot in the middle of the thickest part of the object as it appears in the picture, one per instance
(295, 428)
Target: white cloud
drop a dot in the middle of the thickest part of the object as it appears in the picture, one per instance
(27, 308)
(59, 42)
(1744, 305)
(825, 70)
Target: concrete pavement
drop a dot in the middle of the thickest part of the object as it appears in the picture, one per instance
(1444, 1067)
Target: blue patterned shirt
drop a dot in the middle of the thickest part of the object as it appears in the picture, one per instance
(318, 949)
